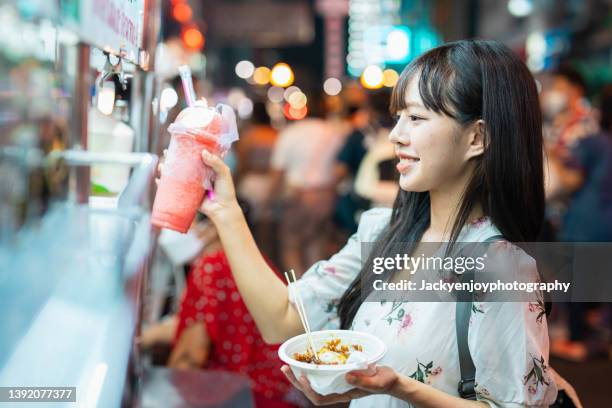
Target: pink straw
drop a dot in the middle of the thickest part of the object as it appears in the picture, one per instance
(190, 97)
(185, 73)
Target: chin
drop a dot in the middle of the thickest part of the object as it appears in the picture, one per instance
(410, 185)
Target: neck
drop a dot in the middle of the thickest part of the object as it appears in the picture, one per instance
(444, 208)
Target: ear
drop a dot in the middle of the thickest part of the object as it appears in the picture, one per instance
(476, 139)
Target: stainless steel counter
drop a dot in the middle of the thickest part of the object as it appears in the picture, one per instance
(69, 297)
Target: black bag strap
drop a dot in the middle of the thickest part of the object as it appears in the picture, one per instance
(462, 324)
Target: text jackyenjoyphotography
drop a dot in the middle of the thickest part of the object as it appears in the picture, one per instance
(472, 286)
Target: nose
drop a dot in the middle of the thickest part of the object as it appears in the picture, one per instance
(395, 138)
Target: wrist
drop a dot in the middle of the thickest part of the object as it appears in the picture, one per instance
(228, 215)
(403, 388)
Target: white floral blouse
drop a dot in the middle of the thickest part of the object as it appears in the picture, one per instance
(508, 341)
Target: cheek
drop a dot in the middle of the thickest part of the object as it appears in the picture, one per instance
(440, 156)
(436, 149)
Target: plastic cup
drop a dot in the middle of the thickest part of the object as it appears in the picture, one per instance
(185, 178)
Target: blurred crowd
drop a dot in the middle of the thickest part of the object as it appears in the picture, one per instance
(303, 187)
(578, 142)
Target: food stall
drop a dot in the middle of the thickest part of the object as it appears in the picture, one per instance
(79, 126)
(74, 252)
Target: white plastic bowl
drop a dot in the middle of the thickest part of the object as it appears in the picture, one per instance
(329, 379)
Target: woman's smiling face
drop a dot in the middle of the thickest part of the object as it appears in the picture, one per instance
(432, 148)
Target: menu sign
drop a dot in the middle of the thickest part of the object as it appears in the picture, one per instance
(113, 25)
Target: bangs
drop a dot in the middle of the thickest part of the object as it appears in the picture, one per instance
(398, 96)
(436, 82)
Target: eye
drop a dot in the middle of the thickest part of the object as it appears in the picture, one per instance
(414, 118)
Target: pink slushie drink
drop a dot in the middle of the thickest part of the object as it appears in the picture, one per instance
(185, 178)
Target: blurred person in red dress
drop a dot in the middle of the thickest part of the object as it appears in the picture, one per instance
(215, 330)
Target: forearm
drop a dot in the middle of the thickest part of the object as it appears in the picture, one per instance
(159, 333)
(263, 293)
(425, 396)
(192, 348)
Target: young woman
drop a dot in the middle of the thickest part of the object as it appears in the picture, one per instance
(469, 145)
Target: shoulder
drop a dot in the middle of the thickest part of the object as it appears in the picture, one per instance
(502, 255)
(509, 262)
(372, 222)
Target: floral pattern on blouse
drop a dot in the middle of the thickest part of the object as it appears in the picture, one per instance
(424, 372)
(538, 375)
(477, 308)
(504, 337)
(398, 316)
(539, 308)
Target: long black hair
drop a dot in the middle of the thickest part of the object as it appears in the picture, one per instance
(471, 80)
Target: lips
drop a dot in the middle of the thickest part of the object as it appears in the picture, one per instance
(406, 161)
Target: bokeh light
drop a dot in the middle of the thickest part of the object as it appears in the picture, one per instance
(372, 77)
(245, 108)
(182, 12)
(282, 75)
(245, 69)
(536, 51)
(390, 77)
(275, 94)
(235, 96)
(298, 113)
(290, 91)
(298, 100)
(261, 76)
(168, 98)
(398, 44)
(292, 113)
(332, 86)
(520, 8)
(193, 38)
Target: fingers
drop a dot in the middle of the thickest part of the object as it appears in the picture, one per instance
(330, 399)
(289, 374)
(306, 388)
(215, 162)
(354, 394)
(317, 399)
(303, 385)
(359, 380)
(369, 371)
(380, 382)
